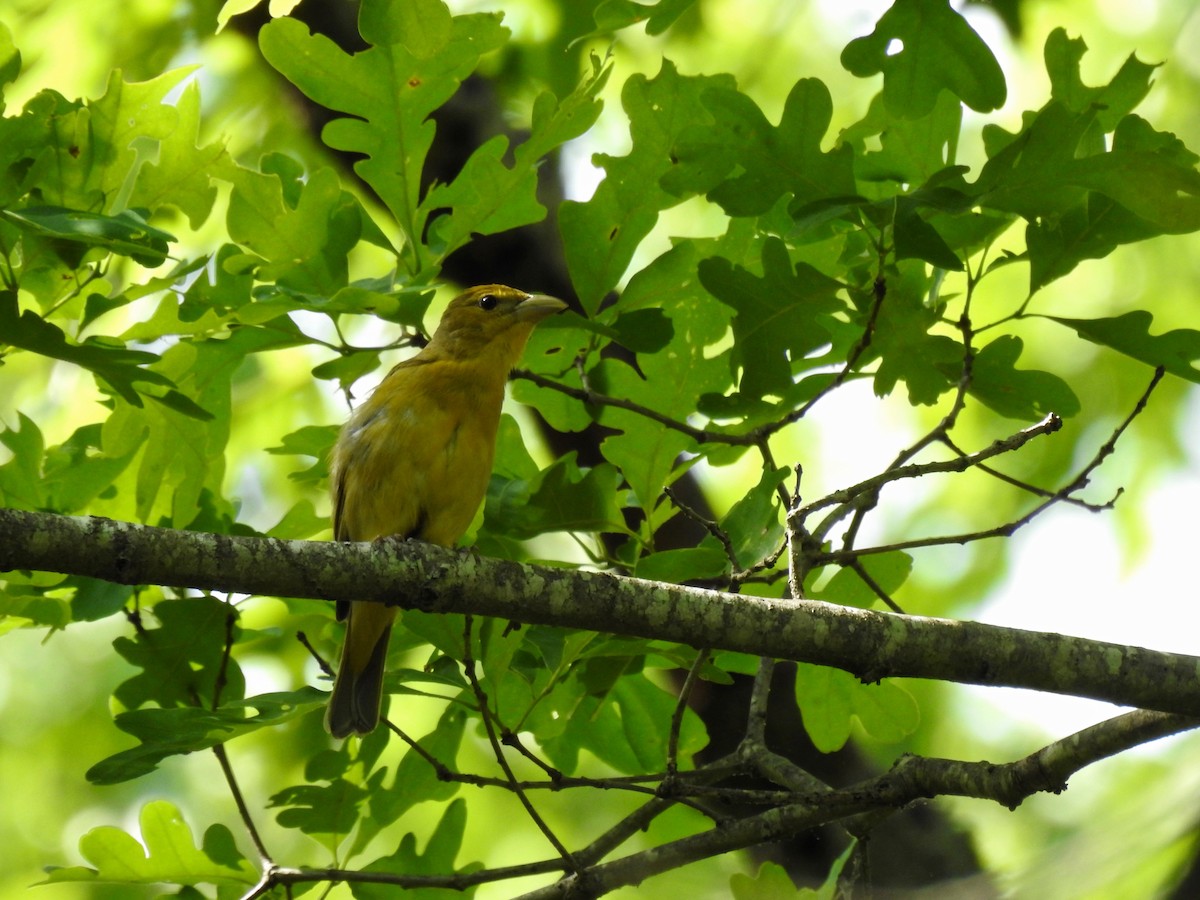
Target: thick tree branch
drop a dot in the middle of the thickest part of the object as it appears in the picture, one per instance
(912, 778)
(870, 644)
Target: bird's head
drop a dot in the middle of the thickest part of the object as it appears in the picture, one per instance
(491, 320)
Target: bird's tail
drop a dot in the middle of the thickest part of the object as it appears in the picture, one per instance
(358, 688)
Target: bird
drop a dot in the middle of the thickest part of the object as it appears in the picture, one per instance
(414, 461)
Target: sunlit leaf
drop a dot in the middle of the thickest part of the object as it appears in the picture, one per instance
(923, 47)
(1176, 351)
(419, 56)
(832, 700)
(166, 852)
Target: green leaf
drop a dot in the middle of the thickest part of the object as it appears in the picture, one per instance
(231, 8)
(1113, 101)
(771, 883)
(753, 523)
(181, 403)
(415, 780)
(1039, 172)
(639, 330)
(671, 381)
(911, 150)
(441, 852)
(646, 711)
(1154, 185)
(614, 15)
(299, 523)
(774, 883)
(558, 647)
(687, 564)
(645, 451)
(1089, 231)
(566, 498)
(487, 196)
(886, 711)
(1018, 393)
(830, 700)
(768, 161)
(121, 369)
(512, 457)
(780, 317)
(346, 370)
(888, 570)
(418, 58)
(21, 485)
(27, 601)
(561, 412)
(929, 364)
(98, 304)
(126, 234)
(917, 239)
(304, 238)
(181, 659)
(320, 809)
(10, 59)
(170, 732)
(423, 28)
(923, 47)
(1082, 199)
(1031, 174)
(311, 440)
(571, 719)
(95, 599)
(182, 175)
(601, 235)
(169, 854)
(622, 719)
(93, 155)
(1176, 351)
(184, 456)
(24, 138)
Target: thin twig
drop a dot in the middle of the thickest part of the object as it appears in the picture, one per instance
(240, 802)
(588, 396)
(1009, 528)
(709, 525)
(510, 738)
(498, 750)
(1049, 425)
(222, 676)
(861, 571)
(681, 706)
(865, 504)
(1107, 448)
(312, 651)
(879, 293)
(640, 818)
(218, 750)
(1033, 488)
(460, 881)
(443, 772)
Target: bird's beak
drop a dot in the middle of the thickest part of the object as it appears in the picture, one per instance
(536, 307)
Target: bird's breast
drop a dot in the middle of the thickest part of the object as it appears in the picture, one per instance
(416, 460)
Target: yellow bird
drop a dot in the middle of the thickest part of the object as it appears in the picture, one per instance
(414, 461)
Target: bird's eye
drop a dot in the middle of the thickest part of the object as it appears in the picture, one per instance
(487, 302)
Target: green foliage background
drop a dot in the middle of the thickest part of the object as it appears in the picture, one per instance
(190, 284)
